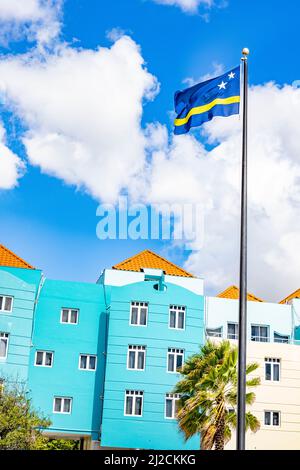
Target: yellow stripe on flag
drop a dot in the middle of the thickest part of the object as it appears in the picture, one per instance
(206, 107)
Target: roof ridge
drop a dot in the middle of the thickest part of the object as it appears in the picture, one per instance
(289, 297)
(16, 256)
(233, 286)
(122, 264)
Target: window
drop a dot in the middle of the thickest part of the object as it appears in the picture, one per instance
(62, 405)
(171, 407)
(136, 357)
(5, 303)
(281, 338)
(138, 313)
(44, 358)
(272, 418)
(69, 315)
(260, 333)
(133, 403)
(4, 338)
(177, 317)
(232, 330)
(215, 332)
(272, 369)
(175, 359)
(87, 362)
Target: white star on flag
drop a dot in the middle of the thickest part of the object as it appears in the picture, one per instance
(231, 75)
(222, 85)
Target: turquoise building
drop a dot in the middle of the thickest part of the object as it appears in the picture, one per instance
(100, 360)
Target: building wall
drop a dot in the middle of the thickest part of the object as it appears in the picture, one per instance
(22, 285)
(151, 430)
(278, 317)
(67, 341)
(283, 396)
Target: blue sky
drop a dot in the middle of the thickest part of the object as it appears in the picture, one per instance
(52, 223)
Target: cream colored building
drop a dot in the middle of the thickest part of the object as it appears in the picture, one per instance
(273, 344)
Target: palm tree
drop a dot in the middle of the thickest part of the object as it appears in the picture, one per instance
(209, 395)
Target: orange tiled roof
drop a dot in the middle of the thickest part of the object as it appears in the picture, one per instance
(148, 259)
(8, 258)
(232, 292)
(294, 295)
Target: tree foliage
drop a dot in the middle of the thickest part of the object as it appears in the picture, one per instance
(209, 395)
(21, 425)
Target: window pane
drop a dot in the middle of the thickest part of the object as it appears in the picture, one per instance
(181, 320)
(57, 406)
(48, 359)
(131, 359)
(179, 361)
(83, 362)
(264, 332)
(1, 301)
(169, 408)
(172, 319)
(92, 362)
(3, 347)
(141, 360)
(67, 405)
(267, 418)
(171, 363)
(276, 372)
(268, 371)
(39, 358)
(134, 315)
(138, 406)
(74, 315)
(7, 305)
(129, 402)
(275, 418)
(143, 316)
(65, 316)
(254, 331)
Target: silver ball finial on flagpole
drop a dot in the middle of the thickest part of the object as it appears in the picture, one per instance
(245, 51)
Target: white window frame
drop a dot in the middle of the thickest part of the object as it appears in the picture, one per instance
(272, 425)
(136, 348)
(69, 316)
(134, 394)
(62, 405)
(236, 335)
(177, 309)
(44, 352)
(260, 337)
(215, 335)
(4, 297)
(176, 352)
(139, 304)
(272, 361)
(174, 397)
(88, 362)
(5, 336)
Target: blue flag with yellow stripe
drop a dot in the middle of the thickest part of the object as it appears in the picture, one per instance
(219, 96)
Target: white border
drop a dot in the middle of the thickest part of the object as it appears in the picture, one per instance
(88, 355)
(63, 412)
(44, 356)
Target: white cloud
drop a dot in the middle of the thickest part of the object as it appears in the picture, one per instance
(11, 166)
(35, 20)
(188, 6)
(217, 69)
(83, 112)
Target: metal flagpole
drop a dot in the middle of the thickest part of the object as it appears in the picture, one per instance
(242, 344)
